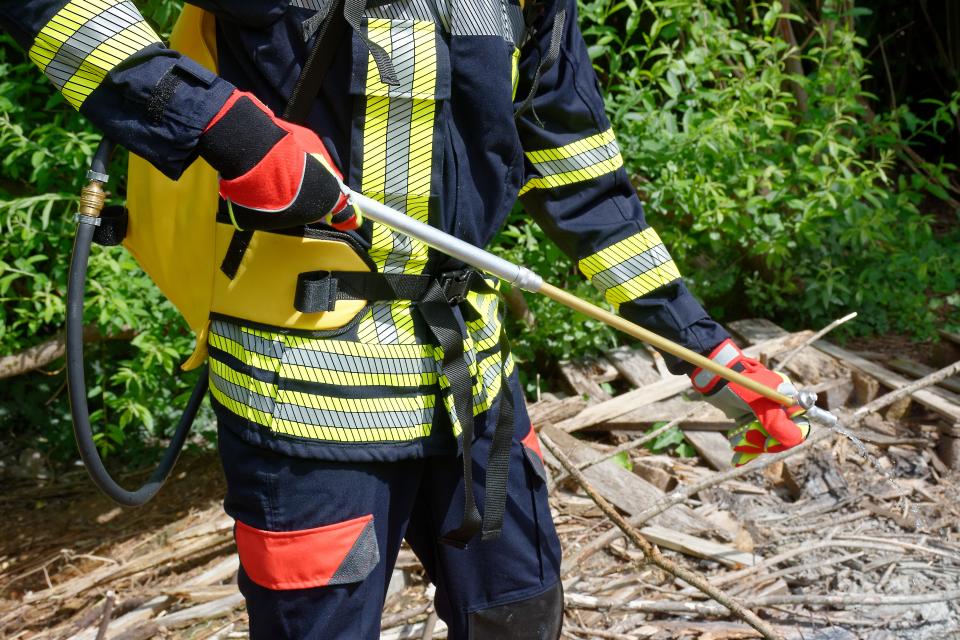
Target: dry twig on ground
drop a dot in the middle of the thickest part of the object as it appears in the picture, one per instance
(653, 554)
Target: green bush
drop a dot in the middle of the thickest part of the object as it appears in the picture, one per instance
(798, 211)
(45, 146)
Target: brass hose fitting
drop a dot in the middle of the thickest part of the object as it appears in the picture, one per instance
(92, 199)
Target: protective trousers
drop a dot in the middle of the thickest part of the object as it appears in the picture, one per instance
(318, 540)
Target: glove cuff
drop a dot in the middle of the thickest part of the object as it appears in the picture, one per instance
(240, 136)
(726, 354)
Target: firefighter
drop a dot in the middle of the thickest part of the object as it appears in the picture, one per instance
(342, 433)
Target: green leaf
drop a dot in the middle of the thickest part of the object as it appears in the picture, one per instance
(623, 459)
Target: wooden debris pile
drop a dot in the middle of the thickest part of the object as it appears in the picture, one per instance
(819, 542)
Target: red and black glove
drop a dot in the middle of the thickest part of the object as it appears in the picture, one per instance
(763, 426)
(273, 174)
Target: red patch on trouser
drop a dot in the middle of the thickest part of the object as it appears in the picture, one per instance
(530, 442)
(332, 554)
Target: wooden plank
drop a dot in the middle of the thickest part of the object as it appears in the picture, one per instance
(833, 394)
(644, 396)
(915, 369)
(809, 365)
(580, 376)
(948, 407)
(713, 447)
(945, 406)
(948, 335)
(635, 365)
(698, 547)
(626, 490)
(625, 403)
(706, 418)
(554, 410)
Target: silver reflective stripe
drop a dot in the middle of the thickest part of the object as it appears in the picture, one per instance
(354, 419)
(313, 5)
(358, 364)
(244, 396)
(516, 24)
(478, 17)
(727, 354)
(631, 268)
(702, 379)
(425, 10)
(250, 342)
(382, 314)
(100, 28)
(579, 161)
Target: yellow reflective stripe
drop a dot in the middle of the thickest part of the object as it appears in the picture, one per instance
(643, 284)
(630, 268)
(483, 393)
(350, 348)
(573, 148)
(236, 350)
(398, 157)
(402, 315)
(573, 177)
(357, 379)
(337, 434)
(378, 404)
(619, 252)
(252, 384)
(425, 59)
(315, 432)
(85, 40)
(514, 71)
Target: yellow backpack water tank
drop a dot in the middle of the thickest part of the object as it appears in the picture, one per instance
(173, 233)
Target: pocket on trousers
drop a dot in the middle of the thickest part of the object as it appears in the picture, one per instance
(533, 454)
(339, 553)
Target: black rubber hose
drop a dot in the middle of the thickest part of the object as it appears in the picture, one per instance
(101, 157)
(76, 382)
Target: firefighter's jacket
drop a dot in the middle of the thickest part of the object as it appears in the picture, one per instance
(445, 144)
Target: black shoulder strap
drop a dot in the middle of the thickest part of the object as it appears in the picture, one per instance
(325, 47)
(305, 91)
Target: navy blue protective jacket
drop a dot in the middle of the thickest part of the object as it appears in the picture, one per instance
(491, 101)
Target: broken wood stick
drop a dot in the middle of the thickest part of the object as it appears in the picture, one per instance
(629, 446)
(583, 601)
(819, 334)
(653, 554)
(680, 495)
(105, 617)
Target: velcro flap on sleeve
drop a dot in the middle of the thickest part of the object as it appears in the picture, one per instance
(338, 553)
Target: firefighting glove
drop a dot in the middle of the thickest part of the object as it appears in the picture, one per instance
(763, 426)
(273, 174)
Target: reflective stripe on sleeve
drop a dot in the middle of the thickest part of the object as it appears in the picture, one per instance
(631, 267)
(85, 40)
(577, 161)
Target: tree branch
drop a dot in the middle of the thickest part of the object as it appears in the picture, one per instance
(41, 355)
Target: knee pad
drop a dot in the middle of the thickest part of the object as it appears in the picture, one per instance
(536, 618)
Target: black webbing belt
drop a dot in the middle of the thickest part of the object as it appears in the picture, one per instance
(436, 297)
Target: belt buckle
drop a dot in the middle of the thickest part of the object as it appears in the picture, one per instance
(455, 285)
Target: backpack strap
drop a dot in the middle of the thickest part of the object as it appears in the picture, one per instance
(329, 35)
